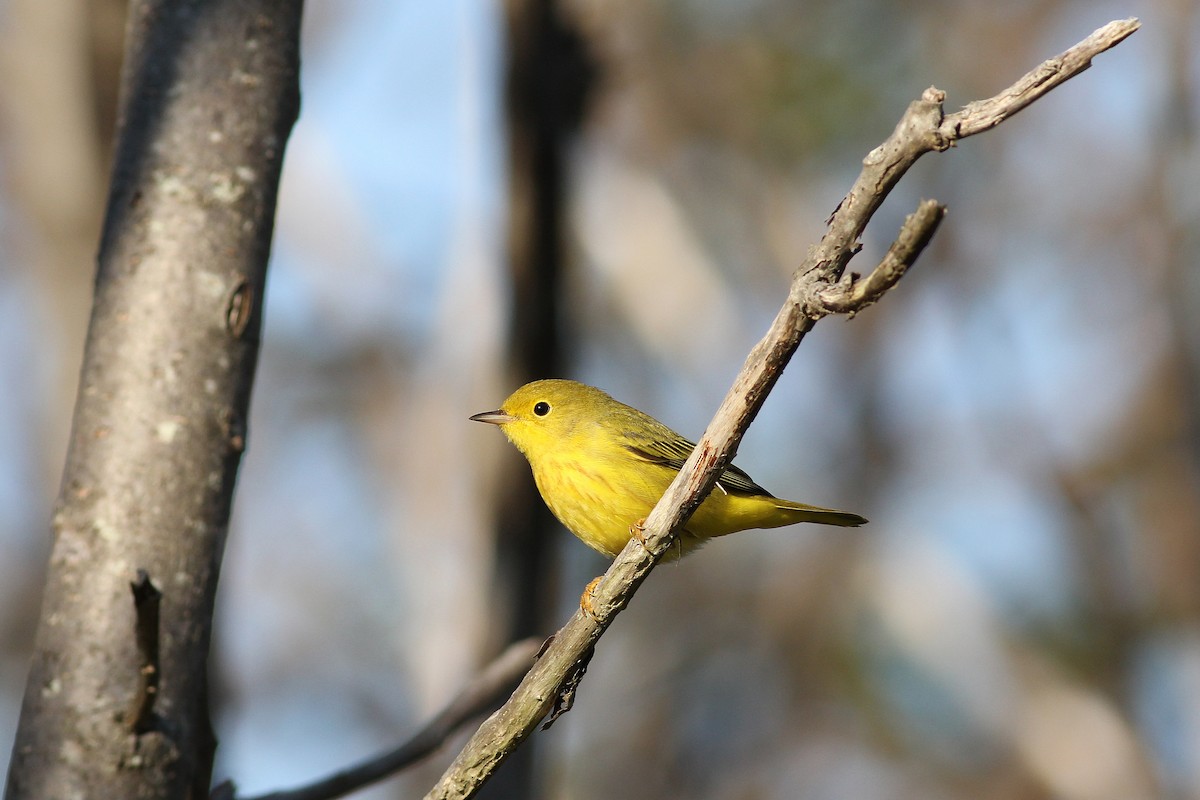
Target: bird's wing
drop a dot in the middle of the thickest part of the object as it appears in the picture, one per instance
(672, 450)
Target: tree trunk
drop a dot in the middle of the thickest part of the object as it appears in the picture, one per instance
(115, 704)
(549, 77)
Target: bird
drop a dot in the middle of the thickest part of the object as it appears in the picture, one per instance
(601, 466)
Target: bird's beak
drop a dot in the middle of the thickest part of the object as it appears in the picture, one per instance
(494, 417)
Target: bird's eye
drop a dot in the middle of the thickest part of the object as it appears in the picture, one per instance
(542, 409)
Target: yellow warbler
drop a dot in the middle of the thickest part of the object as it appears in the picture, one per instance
(601, 465)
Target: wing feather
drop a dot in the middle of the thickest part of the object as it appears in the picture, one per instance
(671, 451)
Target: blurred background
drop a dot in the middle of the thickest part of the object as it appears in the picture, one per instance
(477, 194)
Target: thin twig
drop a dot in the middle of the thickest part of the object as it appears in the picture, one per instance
(921, 130)
(852, 294)
(481, 694)
(986, 114)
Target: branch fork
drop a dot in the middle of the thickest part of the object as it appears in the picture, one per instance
(852, 292)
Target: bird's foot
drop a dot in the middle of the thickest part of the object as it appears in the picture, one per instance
(587, 600)
(638, 531)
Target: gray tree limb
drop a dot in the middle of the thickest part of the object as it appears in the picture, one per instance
(483, 693)
(209, 95)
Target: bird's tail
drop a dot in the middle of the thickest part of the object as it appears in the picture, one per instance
(799, 512)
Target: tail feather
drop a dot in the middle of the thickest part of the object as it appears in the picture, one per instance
(821, 516)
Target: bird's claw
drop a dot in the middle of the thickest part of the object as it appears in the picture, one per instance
(638, 531)
(587, 600)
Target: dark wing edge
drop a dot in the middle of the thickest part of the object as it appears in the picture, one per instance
(733, 480)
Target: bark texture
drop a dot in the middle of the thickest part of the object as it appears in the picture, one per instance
(116, 700)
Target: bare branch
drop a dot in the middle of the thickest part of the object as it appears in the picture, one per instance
(923, 128)
(852, 294)
(984, 115)
(481, 694)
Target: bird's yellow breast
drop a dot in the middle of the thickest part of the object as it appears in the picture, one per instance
(598, 497)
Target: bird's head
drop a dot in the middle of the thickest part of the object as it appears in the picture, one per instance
(539, 417)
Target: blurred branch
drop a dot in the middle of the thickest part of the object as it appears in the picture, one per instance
(923, 128)
(550, 78)
(476, 697)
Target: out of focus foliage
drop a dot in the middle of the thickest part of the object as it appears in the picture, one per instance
(1018, 419)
